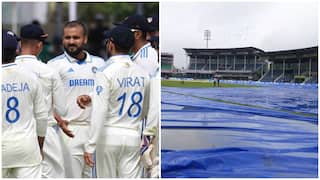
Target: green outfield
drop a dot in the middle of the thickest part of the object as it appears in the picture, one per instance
(197, 84)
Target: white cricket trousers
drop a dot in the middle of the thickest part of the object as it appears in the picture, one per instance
(118, 153)
(53, 162)
(33, 172)
(78, 167)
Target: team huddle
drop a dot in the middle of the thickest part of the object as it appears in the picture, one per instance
(79, 116)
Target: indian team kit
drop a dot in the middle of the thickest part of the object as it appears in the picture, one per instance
(24, 118)
(121, 92)
(83, 83)
(147, 58)
(53, 162)
(78, 78)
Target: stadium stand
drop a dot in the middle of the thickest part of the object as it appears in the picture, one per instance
(166, 64)
(234, 63)
(247, 63)
(290, 65)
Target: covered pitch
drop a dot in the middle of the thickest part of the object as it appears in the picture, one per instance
(265, 131)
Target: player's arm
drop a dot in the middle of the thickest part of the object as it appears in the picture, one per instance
(59, 104)
(41, 142)
(59, 95)
(147, 138)
(153, 107)
(150, 134)
(99, 114)
(63, 124)
(41, 115)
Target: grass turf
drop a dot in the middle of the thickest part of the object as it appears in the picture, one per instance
(197, 84)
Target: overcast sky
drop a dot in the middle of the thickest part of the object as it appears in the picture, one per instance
(266, 25)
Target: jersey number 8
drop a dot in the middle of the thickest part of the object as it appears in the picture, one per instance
(136, 99)
(12, 108)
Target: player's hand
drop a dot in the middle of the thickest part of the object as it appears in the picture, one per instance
(88, 159)
(154, 171)
(147, 151)
(41, 144)
(63, 124)
(83, 101)
(42, 155)
(147, 157)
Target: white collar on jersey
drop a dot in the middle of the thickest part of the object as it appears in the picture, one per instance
(139, 51)
(23, 57)
(116, 59)
(8, 65)
(119, 58)
(71, 59)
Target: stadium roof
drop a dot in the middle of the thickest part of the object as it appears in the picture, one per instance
(282, 54)
(166, 54)
(223, 51)
(308, 50)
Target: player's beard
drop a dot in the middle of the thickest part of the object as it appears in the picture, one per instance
(74, 53)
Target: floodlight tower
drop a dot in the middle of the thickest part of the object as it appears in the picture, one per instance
(207, 36)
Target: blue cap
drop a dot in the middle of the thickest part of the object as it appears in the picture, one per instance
(137, 22)
(121, 36)
(33, 31)
(154, 22)
(9, 40)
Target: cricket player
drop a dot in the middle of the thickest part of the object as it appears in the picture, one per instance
(77, 69)
(32, 40)
(153, 35)
(144, 55)
(119, 103)
(24, 116)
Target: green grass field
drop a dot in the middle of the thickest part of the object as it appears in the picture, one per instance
(197, 84)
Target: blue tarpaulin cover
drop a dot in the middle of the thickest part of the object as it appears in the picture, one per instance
(265, 131)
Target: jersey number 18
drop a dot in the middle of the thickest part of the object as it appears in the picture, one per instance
(136, 99)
